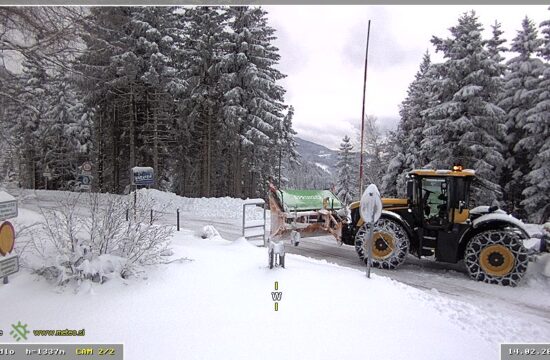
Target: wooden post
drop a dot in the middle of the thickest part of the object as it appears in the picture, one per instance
(135, 202)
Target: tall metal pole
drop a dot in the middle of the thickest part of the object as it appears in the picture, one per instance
(363, 114)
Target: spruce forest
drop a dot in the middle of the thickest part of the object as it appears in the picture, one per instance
(191, 92)
(195, 93)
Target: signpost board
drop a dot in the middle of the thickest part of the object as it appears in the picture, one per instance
(85, 181)
(8, 266)
(371, 210)
(86, 168)
(142, 176)
(8, 206)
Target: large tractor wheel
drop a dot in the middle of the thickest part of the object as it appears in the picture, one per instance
(496, 257)
(390, 244)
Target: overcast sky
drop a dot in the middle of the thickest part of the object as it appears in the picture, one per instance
(322, 52)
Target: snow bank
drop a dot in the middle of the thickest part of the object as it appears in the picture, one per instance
(542, 265)
(208, 208)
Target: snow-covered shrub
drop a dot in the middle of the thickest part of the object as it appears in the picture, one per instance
(87, 236)
(210, 232)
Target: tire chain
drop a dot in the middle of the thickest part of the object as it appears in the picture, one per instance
(401, 241)
(486, 238)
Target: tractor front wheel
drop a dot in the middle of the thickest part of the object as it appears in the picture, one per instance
(390, 244)
(496, 257)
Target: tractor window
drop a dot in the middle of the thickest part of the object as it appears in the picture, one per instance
(434, 200)
(461, 192)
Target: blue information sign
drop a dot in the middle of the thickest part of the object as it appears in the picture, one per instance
(143, 176)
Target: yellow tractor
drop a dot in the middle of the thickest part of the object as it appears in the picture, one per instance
(435, 221)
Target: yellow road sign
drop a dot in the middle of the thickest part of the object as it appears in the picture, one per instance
(7, 238)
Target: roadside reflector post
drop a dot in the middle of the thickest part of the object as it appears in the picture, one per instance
(151, 216)
(370, 209)
(178, 220)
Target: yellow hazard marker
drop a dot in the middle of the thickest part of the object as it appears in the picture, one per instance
(7, 238)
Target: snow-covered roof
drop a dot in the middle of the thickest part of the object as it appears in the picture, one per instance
(254, 201)
(442, 172)
(142, 168)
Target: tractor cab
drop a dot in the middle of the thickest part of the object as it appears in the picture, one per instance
(438, 210)
(439, 198)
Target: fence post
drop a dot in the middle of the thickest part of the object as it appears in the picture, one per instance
(151, 216)
(127, 211)
(178, 212)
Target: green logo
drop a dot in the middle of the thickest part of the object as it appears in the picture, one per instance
(19, 331)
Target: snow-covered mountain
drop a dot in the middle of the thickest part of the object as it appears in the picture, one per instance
(318, 155)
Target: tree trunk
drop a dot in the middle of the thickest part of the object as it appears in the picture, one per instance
(155, 142)
(116, 140)
(133, 120)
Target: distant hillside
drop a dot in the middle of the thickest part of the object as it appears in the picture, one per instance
(319, 155)
(317, 169)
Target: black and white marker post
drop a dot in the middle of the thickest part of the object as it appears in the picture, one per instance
(371, 209)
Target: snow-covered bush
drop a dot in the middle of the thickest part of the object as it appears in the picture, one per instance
(87, 236)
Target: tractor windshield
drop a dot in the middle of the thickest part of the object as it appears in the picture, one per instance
(434, 200)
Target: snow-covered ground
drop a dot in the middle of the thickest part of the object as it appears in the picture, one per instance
(219, 305)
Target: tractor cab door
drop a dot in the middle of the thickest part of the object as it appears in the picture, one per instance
(459, 200)
(434, 202)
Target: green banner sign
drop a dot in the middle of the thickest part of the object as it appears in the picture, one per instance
(303, 200)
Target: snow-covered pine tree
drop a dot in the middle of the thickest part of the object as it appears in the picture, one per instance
(10, 106)
(375, 153)
(202, 49)
(31, 125)
(125, 70)
(537, 140)
(154, 27)
(396, 167)
(496, 48)
(61, 142)
(253, 103)
(520, 95)
(409, 134)
(464, 123)
(286, 147)
(346, 186)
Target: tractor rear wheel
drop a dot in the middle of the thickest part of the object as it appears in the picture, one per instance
(496, 257)
(390, 244)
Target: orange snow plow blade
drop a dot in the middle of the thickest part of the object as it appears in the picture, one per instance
(308, 213)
